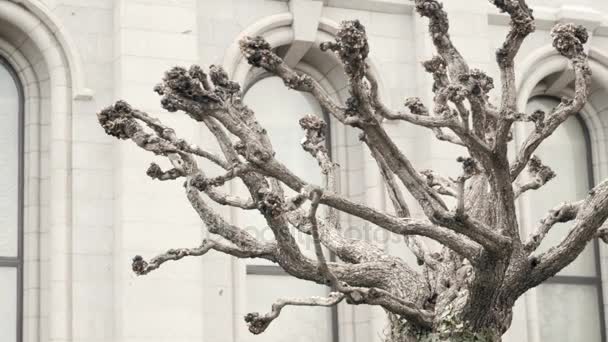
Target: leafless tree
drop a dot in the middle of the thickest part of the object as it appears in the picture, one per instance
(463, 292)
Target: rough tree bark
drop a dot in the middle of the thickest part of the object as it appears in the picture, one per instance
(466, 290)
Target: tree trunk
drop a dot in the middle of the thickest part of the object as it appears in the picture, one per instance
(468, 304)
(399, 331)
(450, 328)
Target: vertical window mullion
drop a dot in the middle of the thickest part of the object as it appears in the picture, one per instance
(20, 207)
(600, 291)
(598, 259)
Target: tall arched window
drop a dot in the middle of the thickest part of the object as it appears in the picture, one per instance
(570, 304)
(278, 109)
(11, 208)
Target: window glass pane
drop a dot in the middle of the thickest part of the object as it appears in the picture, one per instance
(518, 331)
(8, 304)
(296, 324)
(568, 313)
(278, 109)
(566, 153)
(9, 163)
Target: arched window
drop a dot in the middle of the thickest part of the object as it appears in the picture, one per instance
(570, 304)
(278, 109)
(11, 207)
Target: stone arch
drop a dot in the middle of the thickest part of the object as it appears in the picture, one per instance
(39, 18)
(545, 62)
(277, 31)
(48, 65)
(28, 81)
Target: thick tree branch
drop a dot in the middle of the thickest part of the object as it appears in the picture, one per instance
(469, 169)
(142, 267)
(540, 173)
(169, 134)
(438, 29)
(315, 196)
(483, 267)
(351, 45)
(401, 208)
(521, 25)
(592, 213)
(405, 226)
(416, 108)
(562, 213)
(373, 296)
(455, 242)
(349, 250)
(568, 39)
(216, 224)
(259, 323)
(258, 52)
(206, 185)
(392, 188)
(120, 120)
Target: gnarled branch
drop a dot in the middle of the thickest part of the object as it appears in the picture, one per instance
(259, 323)
(592, 213)
(540, 173)
(568, 39)
(562, 213)
(142, 267)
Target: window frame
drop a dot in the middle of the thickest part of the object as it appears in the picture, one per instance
(18, 262)
(595, 280)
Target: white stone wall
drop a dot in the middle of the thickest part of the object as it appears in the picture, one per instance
(93, 209)
(93, 172)
(153, 217)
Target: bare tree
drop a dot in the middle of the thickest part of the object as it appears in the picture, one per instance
(466, 290)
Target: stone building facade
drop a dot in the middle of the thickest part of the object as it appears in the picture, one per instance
(83, 206)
